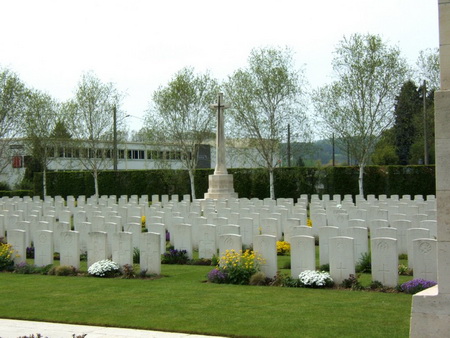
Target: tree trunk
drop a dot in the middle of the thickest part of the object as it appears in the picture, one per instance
(191, 178)
(360, 179)
(95, 173)
(272, 185)
(44, 182)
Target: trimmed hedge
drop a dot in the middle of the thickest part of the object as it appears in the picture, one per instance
(12, 193)
(248, 183)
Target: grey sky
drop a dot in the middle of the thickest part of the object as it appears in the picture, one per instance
(140, 44)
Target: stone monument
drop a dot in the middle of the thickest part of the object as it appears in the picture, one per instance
(220, 183)
(430, 315)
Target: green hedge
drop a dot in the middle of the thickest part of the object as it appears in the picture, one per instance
(248, 183)
(12, 193)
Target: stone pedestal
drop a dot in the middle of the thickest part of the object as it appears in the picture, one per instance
(430, 315)
(220, 187)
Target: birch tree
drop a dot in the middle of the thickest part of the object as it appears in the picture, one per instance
(40, 120)
(266, 97)
(181, 116)
(358, 105)
(90, 121)
(13, 99)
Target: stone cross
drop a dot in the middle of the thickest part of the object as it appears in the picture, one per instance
(220, 136)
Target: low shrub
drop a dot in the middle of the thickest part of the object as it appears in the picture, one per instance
(136, 255)
(283, 248)
(403, 257)
(174, 256)
(24, 268)
(6, 256)
(403, 270)
(200, 261)
(292, 282)
(239, 266)
(352, 283)
(30, 252)
(376, 285)
(63, 270)
(286, 265)
(128, 271)
(217, 276)
(416, 285)
(105, 268)
(364, 264)
(315, 279)
(325, 267)
(83, 257)
(258, 278)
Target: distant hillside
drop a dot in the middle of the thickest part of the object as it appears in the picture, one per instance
(311, 154)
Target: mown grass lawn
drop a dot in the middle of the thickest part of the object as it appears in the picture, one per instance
(181, 301)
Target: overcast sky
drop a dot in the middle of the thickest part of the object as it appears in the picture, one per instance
(140, 44)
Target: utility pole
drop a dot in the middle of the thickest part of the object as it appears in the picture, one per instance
(114, 138)
(348, 152)
(334, 152)
(289, 146)
(425, 143)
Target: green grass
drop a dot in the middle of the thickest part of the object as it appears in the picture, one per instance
(181, 301)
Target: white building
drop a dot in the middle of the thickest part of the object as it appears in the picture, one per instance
(131, 156)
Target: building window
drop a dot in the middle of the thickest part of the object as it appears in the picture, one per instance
(17, 162)
(69, 152)
(51, 152)
(136, 154)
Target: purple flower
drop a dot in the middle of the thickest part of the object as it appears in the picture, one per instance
(217, 276)
(416, 285)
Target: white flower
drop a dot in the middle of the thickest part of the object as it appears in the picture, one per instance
(101, 268)
(315, 278)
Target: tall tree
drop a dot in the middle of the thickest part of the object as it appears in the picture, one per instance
(358, 105)
(385, 152)
(408, 104)
(91, 120)
(265, 98)
(13, 100)
(181, 115)
(427, 68)
(40, 120)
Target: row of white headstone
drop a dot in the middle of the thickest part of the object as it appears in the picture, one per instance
(191, 229)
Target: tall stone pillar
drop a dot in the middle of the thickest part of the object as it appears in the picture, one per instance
(430, 315)
(221, 183)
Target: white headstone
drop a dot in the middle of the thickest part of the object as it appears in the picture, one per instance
(342, 260)
(411, 235)
(384, 255)
(425, 259)
(150, 255)
(229, 242)
(97, 247)
(207, 247)
(325, 233)
(16, 238)
(122, 248)
(182, 238)
(303, 254)
(266, 247)
(361, 241)
(43, 248)
(159, 228)
(70, 248)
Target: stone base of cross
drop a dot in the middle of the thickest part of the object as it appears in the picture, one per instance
(220, 187)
